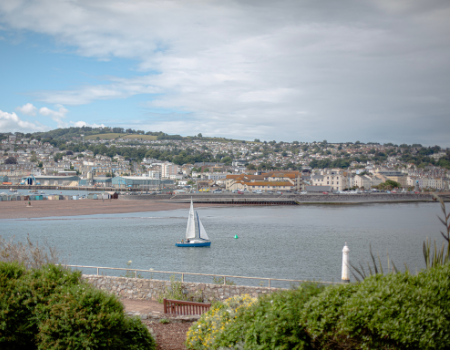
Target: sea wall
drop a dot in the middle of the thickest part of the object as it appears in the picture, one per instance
(310, 198)
(365, 198)
(144, 197)
(150, 289)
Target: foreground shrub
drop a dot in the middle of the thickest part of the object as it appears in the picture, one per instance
(393, 311)
(52, 308)
(24, 298)
(86, 318)
(401, 311)
(273, 322)
(14, 330)
(321, 314)
(205, 333)
(135, 335)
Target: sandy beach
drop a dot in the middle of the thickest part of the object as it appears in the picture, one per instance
(40, 209)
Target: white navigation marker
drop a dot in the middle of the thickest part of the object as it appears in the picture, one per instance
(345, 274)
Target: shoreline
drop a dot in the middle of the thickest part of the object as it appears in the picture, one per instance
(43, 209)
(46, 209)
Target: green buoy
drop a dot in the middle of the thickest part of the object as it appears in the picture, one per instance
(236, 237)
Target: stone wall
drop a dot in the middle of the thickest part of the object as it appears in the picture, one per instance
(145, 289)
(365, 198)
(144, 197)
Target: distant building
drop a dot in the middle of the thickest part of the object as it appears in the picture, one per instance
(272, 181)
(141, 182)
(169, 169)
(154, 175)
(336, 179)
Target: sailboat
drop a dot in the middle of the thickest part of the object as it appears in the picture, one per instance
(195, 232)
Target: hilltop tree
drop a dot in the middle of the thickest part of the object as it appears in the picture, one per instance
(11, 160)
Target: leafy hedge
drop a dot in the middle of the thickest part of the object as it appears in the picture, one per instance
(272, 323)
(393, 311)
(52, 308)
(206, 332)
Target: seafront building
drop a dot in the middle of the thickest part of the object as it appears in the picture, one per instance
(338, 180)
(274, 181)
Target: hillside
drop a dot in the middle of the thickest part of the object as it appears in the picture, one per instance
(110, 136)
(107, 133)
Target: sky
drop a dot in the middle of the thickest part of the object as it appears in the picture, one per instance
(305, 70)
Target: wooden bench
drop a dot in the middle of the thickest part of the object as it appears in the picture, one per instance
(178, 307)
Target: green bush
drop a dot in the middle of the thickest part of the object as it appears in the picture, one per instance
(14, 332)
(52, 308)
(273, 322)
(206, 333)
(401, 311)
(322, 312)
(82, 318)
(135, 335)
(276, 320)
(393, 311)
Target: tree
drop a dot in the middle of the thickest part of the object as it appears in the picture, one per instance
(227, 160)
(69, 153)
(257, 140)
(251, 167)
(388, 185)
(10, 160)
(200, 135)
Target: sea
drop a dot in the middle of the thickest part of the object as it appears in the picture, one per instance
(281, 242)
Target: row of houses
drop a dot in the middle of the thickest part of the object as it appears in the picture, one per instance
(271, 181)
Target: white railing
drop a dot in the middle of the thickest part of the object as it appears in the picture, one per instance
(269, 280)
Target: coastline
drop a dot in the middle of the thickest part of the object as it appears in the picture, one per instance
(55, 208)
(42, 209)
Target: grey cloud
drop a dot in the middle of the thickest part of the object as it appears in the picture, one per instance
(306, 70)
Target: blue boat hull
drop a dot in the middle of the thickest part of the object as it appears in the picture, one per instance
(202, 244)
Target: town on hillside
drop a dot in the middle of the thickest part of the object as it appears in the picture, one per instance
(130, 159)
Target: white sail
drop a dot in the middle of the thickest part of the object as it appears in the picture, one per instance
(190, 229)
(202, 234)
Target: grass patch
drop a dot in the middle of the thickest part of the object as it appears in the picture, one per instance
(141, 137)
(110, 136)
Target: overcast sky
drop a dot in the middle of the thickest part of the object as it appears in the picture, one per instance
(275, 70)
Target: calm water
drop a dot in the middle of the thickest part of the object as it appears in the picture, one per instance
(294, 242)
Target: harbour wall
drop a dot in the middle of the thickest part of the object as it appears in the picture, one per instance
(150, 289)
(286, 199)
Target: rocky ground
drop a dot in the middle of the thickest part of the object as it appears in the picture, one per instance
(170, 336)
